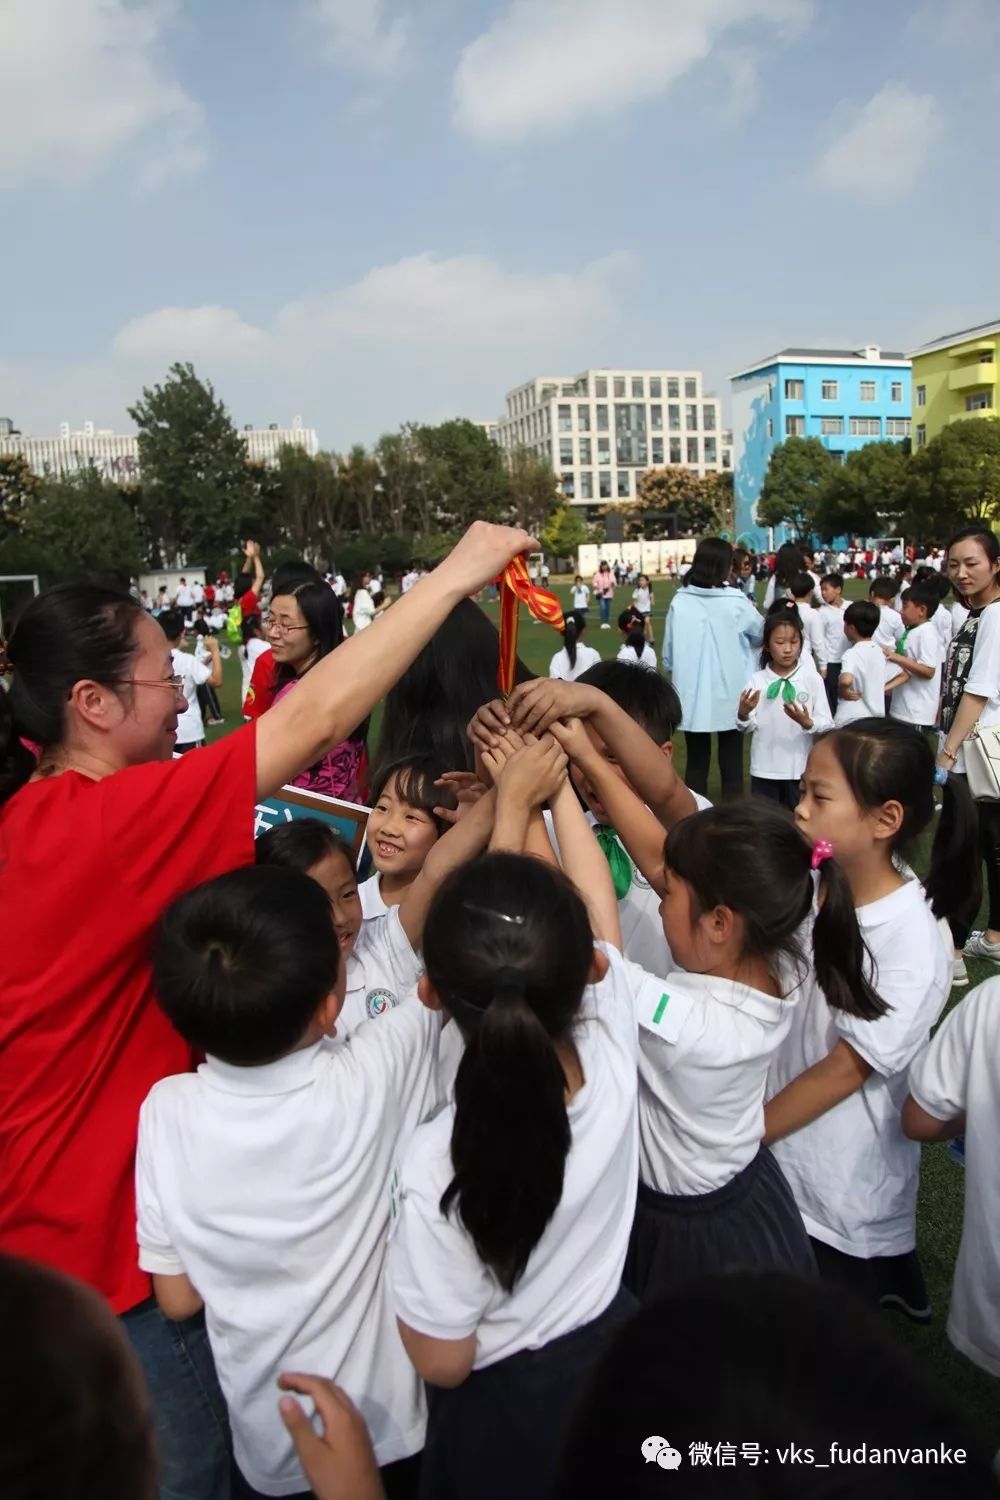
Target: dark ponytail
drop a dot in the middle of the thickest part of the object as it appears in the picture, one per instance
(508, 949)
(630, 622)
(751, 857)
(884, 760)
(571, 629)
(70, 633)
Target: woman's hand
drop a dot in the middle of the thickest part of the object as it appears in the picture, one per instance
(482, 554)
(340, 1465)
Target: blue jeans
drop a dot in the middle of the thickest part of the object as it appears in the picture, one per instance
(605, 609)
(189, 1411)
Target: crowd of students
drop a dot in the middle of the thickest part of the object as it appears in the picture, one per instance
(417, 1186)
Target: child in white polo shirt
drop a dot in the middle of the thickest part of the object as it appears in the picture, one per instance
(861, 683)
(955, 1090)
(916, 661)
(263, 1179)
(408, 799)
(783, 706)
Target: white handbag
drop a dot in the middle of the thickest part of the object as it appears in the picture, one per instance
(982, 762)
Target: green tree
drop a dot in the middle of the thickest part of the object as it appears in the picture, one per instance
(469, 473)
(310, 500)
(83, 526)
(17, 487)
(199, 495)
(798, 470)
(955, 478)
(534, 491)
(866, 495)
(360, 478)
(681, 497)
(566, 531)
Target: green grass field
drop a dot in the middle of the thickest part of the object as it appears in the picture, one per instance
(939, 1215)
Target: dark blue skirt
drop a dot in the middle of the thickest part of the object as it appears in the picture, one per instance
(749, 1224)
(498, 1435)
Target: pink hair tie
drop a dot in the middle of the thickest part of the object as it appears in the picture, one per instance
(822, 849)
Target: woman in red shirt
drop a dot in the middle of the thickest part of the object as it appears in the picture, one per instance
(96, 839)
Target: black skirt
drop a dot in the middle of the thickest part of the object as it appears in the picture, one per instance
(749, 1224)
(497, 1436)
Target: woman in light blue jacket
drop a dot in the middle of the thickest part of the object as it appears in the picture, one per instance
(709, 644)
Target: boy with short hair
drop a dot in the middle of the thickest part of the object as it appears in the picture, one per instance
(835, 642)
(861, 680)
(916, 660)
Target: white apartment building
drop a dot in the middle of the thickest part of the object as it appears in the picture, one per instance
(116, 455)
(603, 429)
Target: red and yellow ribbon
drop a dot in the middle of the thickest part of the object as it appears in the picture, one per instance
(516, 588)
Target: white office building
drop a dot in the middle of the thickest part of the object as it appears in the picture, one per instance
(116, 455)
(603, 429)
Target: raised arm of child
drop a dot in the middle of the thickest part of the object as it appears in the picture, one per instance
(462, 842)
(835, 1077)
(526, 776)
(534, 706)
(582, 856)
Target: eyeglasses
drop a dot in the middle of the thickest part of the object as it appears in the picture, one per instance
(175, 684)
(281, 626)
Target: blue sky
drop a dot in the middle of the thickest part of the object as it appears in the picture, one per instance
(369, 211)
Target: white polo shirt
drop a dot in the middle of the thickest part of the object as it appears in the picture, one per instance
(944, 619)
(915, 701)
(381, 972)
(439, 1285)
(852, 1171)
(835, 642)
(888, 631)
(866, 665)
(560, 669)
(959, 1073)
(270, 1188)
(814, 634)
(190, 725)
(704, 1049)
(780, 747)
(370, 895)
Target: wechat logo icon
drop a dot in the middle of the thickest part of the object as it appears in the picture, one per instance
(656, 1450)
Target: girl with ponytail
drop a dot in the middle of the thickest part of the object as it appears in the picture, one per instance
(572, 660)
(838, 1082)
(516, 1200)
(635, 649)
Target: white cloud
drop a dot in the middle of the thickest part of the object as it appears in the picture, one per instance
(359, 36)
(881, 147)
(80, 83)
(195, 333)
(545, 64)
(462, 299)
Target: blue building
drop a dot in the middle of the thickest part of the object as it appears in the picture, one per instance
(845, 397)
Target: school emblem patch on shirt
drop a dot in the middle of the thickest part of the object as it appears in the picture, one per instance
(639, 879)
(377, 1002)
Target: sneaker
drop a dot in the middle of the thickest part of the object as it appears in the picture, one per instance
(216, 721)
(605, 627)
(979, 946)
(959, 974)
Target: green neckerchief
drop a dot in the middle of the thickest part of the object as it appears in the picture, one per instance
(900, 646)
(618, 861)
(783, 685)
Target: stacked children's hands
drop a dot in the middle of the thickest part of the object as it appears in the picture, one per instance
(574, 739)
(467, 787)
(340, 1465)
(527, 771)
(532, 708)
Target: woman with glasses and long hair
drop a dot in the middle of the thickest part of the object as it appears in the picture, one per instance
(100, 830)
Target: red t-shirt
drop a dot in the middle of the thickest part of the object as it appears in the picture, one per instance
(260, 693)
(249, 603)
(86, 870)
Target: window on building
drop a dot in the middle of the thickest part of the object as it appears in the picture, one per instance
(603, 450)
(986, 356)
(921, 395)
(795, 390)
(673, 388)
(568, 487)
(866, 427)
(604, 485)
(600, 386)
(831, 390)
(602, 419)
(565, 450)
(830, 426)
(691, 418)
(638, 388)
(655, 387)
(674, 418)
(711, 451)
(770, 390)
(586, 485)
(623, 487)
(727, 458)
(568, 389)
(657, 450)
(619, 386)
(708, 418)
(868, 390)
(565, 419)
(795, 427)
(630, 430)
(583, 418)
(921, 435)
(897, 390)
(675, 450)
(690, 389)
(692, 450)
(585, 451)
(897, 426)
(656, 418)
(979, 401)
(770, 427)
